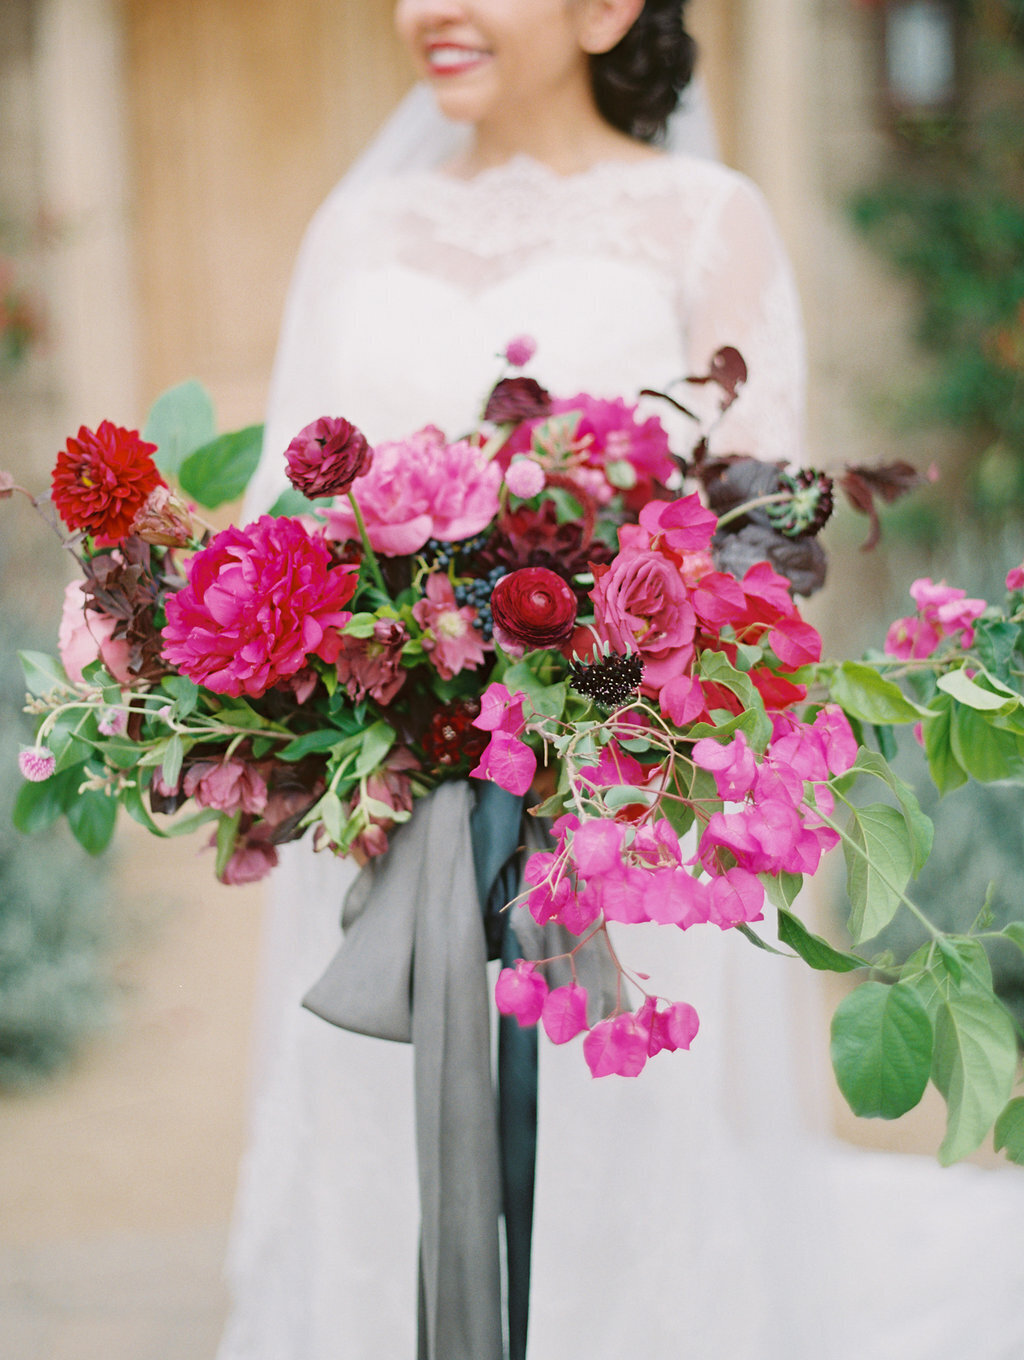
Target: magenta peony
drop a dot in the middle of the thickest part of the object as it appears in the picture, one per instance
(326, 457)
(258, 603)
(418, 489)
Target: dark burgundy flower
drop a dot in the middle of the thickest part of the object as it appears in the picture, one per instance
(516, 399)
(102, 479)
(533, 607)
(325, 458)
(451, 741)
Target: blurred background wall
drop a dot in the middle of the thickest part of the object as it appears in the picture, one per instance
(159, 160)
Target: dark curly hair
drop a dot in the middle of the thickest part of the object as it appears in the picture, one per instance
(638, 83)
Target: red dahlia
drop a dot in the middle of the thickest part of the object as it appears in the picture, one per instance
(102, 480)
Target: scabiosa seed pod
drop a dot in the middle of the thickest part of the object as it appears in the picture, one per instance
(610, 681)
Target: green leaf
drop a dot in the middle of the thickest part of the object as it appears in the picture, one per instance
(323, 740)
(331, 812)
(716, 668)
(220, 470)
(959, 686)
(930, 973)
(1009, 1132)
(987, 753)
(92, 817)
(946, 771)
(179, 421)
(134, 803)
(920, 828)
(547, 701)
(815, 951)
(292, 502)
(376, 742)
(782, 889)
(994, 642)
(184, 693)
(861, 691)
(881, 1049)
(1014, 932)
(174, 755)
(38, 805)
(227, 838)
(43, 674)
(974, 1067)
(879, 864)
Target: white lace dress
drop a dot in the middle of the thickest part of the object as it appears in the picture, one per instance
(692, 1214)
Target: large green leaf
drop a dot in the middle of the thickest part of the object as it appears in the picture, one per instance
(43, 673)
(1009, 1132)
(879, 864)
(812, 948)
(986, 752)
(946, 771)
(881, 1049)
(717, 668)
(920, 827)
(180, 421)
(220, 470)
(38, 805)
(959, 685)
(861, 691)
(92, 817)
(974, 1067)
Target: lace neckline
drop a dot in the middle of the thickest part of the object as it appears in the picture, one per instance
(527, 172)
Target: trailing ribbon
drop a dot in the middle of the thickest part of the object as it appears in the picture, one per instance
(419, 924)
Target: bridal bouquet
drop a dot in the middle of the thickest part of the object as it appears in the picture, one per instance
(540, 604)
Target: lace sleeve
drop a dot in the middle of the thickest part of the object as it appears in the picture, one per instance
(741, 292)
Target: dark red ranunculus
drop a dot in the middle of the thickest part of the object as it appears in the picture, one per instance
(516, 399)
(325, 458)
(533, 607)
(102, 479)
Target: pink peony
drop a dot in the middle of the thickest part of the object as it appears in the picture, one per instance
(421, 488)
(259, 602)
(86, 635)
(450, 640)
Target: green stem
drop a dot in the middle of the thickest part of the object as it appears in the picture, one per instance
(368, 554)
(738, 511)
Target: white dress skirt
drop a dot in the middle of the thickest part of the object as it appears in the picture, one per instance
(697, 1212)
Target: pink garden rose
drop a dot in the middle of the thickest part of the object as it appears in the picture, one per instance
(86, 635)
(421, 488)
(642, 605)
(258, 603)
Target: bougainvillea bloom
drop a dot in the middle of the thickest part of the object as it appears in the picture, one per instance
(326, 457)
(942, 611)
(520, 991)
(421, 488)
(533, 608)
(259, 601)
(102, 479)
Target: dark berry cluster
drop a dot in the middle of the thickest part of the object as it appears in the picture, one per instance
(476, 590)
(610, 680)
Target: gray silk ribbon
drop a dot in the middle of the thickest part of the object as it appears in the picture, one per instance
(413, 929)
(413, 967)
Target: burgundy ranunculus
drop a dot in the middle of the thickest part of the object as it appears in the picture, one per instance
(516, 399)
(325, 458)
(533, 607)
(102, 479)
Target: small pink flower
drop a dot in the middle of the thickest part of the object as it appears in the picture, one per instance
(520, 350)
(112, 722)
(1015, 578)
(36, 763)
(228, 785)
(450, 640)
(525, 478)
(251, 860)
(373, 666)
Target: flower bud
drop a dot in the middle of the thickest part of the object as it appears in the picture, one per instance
(326, 457)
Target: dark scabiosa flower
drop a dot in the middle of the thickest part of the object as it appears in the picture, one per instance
(610, 680)
(451, 741)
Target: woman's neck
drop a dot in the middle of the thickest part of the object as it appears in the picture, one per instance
(566, 145)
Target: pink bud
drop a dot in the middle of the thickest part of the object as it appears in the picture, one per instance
(36, 763)
(520, 350)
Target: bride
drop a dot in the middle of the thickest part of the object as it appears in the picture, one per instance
(694, 1214)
